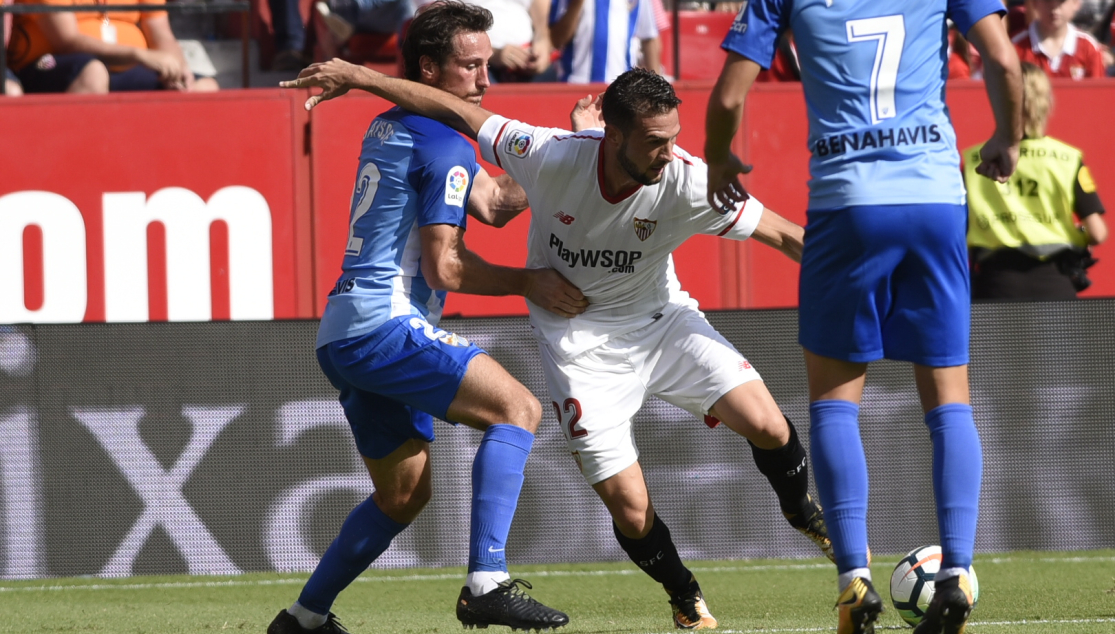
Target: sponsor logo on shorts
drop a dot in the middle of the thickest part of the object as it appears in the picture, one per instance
(437, 334)
(744, 365)
(456, 184)
(518, 143)
(564, 218)
(619, 260)
(643, 228)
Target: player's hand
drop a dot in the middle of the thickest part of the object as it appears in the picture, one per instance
(998, 159)
(334, 77)
(550, 290)
(725, 190)
(587, 113)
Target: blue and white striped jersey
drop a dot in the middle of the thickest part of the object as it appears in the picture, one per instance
(874, 78)
(600, 49)
(413, 172)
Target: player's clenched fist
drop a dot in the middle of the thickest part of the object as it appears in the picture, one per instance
(550, 290)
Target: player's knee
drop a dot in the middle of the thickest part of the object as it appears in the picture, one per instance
(93, 79)
(524, 411)
(632, 522)
(404, 506)
(770, 430)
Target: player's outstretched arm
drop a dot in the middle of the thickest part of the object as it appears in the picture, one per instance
(1003, 81)
(447, 265)
(725, 107)
(336, 77)
(496, 201)
(777, 232)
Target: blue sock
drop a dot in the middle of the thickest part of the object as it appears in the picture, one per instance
(366, 533)
(840, 471)
(957, 468)
(497, 478)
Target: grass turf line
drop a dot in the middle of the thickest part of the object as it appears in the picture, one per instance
(1025, 592)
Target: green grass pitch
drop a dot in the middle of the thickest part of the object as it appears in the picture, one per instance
(1024, 592)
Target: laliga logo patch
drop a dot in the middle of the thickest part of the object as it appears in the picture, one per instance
(643, 228)
(456, 184)
(518, 143)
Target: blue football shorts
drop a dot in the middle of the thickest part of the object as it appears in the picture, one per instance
(394, 379)
(886, 281)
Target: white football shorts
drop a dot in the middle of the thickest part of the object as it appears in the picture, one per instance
(679, 358)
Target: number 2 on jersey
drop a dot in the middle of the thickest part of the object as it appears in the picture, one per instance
(889, 34)
(362, 195)
(573, 406)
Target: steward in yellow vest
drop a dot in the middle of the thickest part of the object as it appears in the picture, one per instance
(1022, 235)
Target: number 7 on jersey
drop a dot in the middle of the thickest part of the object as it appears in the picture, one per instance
(889, 33)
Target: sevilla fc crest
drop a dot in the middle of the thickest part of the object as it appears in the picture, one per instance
(643, 228)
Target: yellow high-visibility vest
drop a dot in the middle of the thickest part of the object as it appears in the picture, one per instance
(1033, 211)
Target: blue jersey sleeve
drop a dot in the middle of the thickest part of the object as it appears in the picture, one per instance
(965, 13)
(442, 173)
(756, 29)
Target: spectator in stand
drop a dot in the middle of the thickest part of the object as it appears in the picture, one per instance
(344, 18)
(1098, 18)
(515, 57)
(1055, 45)
(594, 52)
(11, 82)
(290, 35)
(98, 52)
(1023, 239)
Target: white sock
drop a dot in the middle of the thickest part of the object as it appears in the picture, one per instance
(484, 581)
(307, 619)
(845, 578)
(948, 573)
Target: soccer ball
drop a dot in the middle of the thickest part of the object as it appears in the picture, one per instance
(911, 583)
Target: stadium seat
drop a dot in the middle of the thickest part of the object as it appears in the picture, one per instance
(700, 34)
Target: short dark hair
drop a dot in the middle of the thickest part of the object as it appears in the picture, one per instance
(636, 93)
(432, 31)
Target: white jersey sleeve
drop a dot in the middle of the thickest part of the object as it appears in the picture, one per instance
(518, 148)
(737, 223)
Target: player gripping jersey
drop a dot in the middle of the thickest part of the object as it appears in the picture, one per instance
(884, 267)
(379, 344)
(641, 334)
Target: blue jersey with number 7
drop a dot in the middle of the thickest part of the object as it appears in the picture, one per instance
(874, 78)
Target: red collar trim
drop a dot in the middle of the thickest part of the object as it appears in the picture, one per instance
(624, 195)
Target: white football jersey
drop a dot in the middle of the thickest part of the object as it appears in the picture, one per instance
(615, 249)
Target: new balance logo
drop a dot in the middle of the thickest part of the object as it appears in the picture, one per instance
(565, 218)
